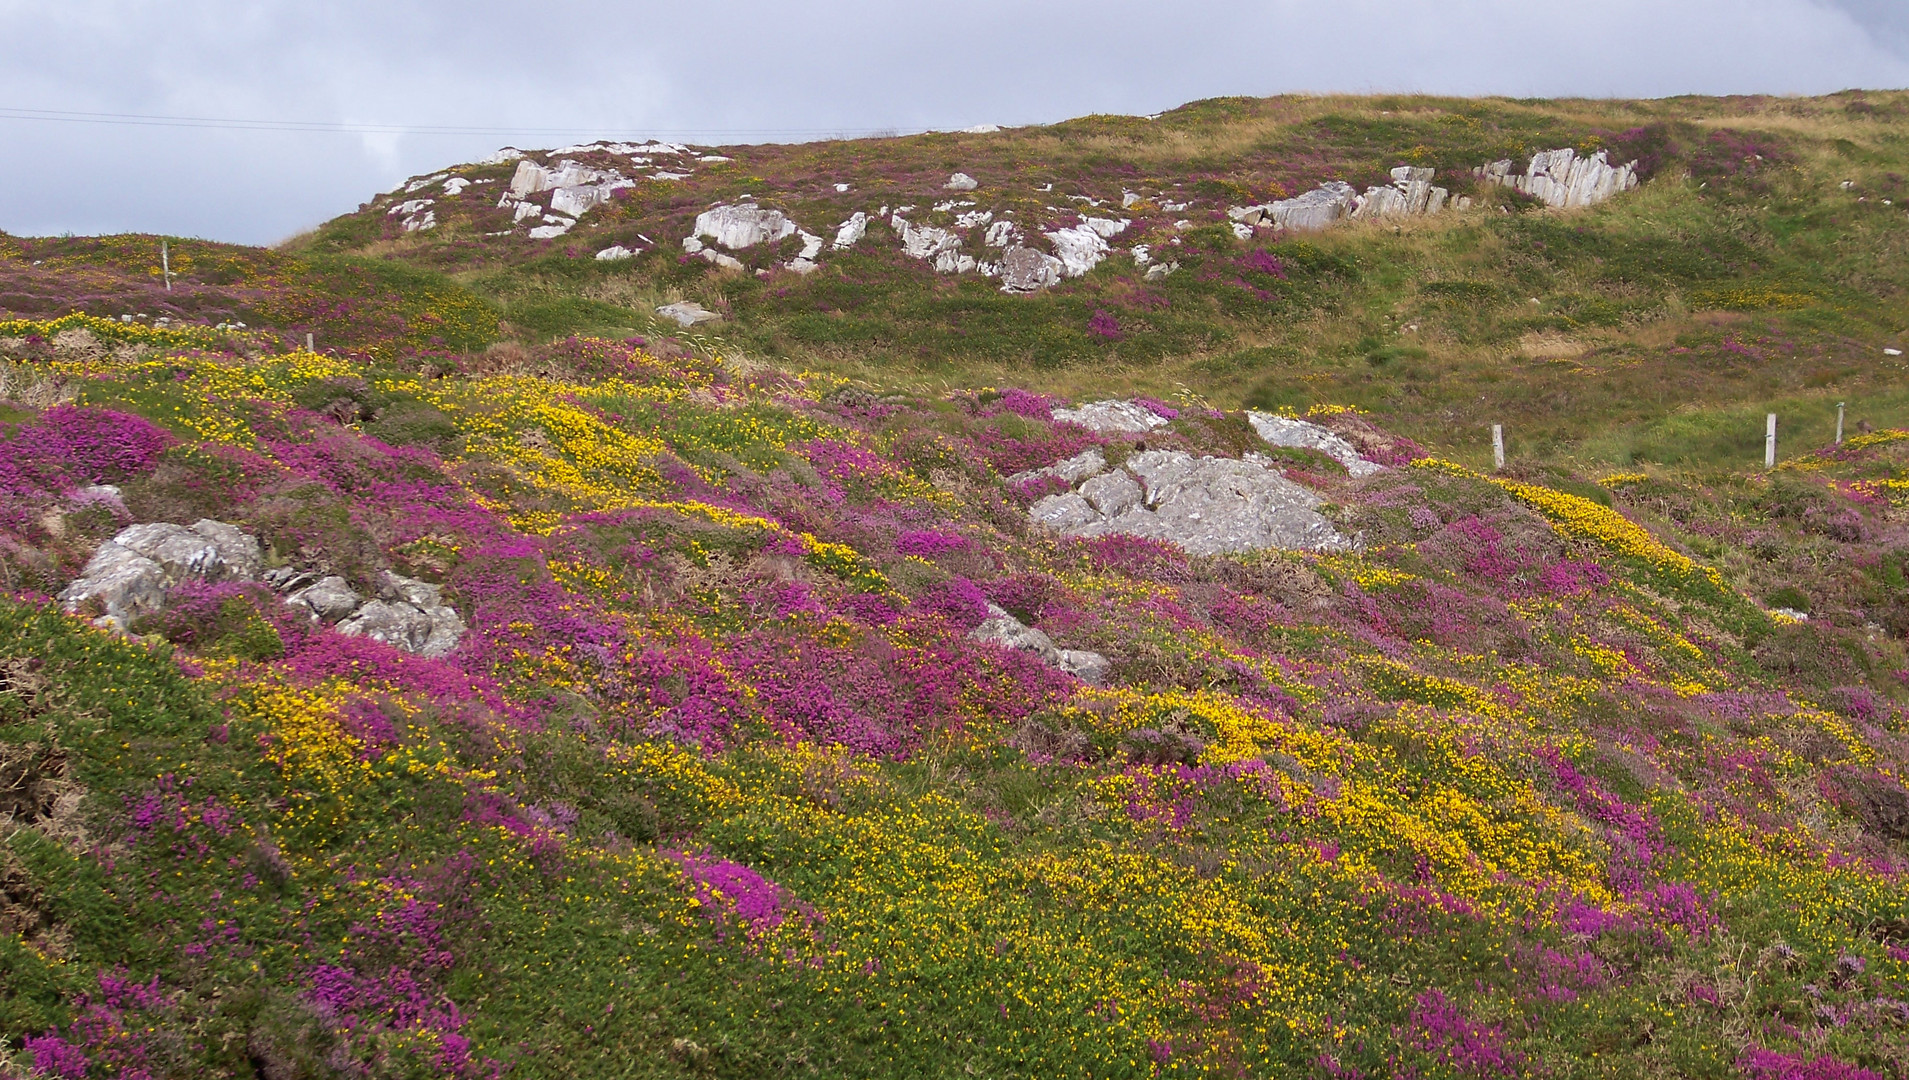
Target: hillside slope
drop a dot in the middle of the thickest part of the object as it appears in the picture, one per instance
(1762, 261)
(471, 698)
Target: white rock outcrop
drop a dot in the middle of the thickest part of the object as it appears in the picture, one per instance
(409, 615)
(942, 246)
(1564, 180)
(1411, 195)
(1291, 432)
(615, 253)
(743, 225)
(850, 232)
(531, 178)
(961, 182)
(1314, 210)
(1207, 505)
(1111, 417)
(1079, 249)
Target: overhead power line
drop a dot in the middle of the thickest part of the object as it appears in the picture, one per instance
(65, 116)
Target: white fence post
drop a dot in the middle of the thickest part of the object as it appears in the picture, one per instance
(1769, 441)
(308, 343)
(1839, 423)
(1498, 446)
(165, 262)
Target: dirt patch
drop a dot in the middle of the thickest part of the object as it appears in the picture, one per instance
(33, 782)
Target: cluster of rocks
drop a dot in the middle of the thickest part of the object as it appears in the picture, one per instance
(406, 613)
(575, 189)
(1563, 179)
(133, 574)
(1411, 194)
(1559, 177)
(1004, 630)
(552, 197)
(1207, 505)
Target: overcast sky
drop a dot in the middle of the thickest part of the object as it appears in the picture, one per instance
(745, 70)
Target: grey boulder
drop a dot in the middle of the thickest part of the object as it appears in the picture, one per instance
(1005, 631)
(208, 551)
(396, 624)
(124, 582)
(1207, 505)
(409, 614)
(129, 575)
(329, 599)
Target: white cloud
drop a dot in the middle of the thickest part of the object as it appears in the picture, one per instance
(729, 65)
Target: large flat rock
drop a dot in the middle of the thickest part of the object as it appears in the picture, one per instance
(1207, 505)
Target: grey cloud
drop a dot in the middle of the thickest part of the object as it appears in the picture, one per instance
(744, 65)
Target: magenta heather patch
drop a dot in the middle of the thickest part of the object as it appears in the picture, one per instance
(1454, 1039)
(731, 894)
(1020, 403)
(69, 446)
(928, 543)
(1158, 408)
(55, 1056)
(957, 600)
(1135, 556)
(1757, 1063)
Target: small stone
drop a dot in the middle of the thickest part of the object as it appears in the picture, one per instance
(1089, 667)
(687, 313)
